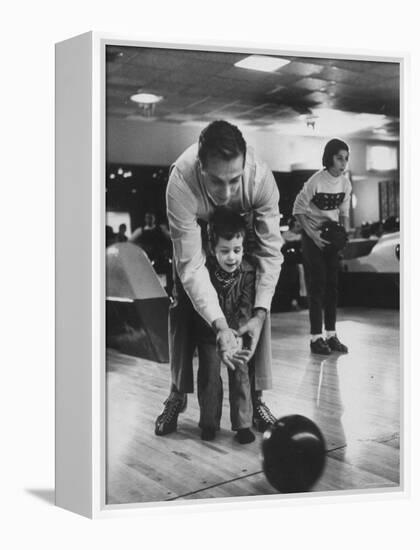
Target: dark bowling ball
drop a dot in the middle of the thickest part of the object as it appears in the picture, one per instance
(293, 454)
(335, 234)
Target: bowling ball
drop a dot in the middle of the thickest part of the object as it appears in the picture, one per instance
(293, 450)
(335, 234)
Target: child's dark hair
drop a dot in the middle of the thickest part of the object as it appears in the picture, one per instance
(226, 224)
(332, 148)
(222, 140)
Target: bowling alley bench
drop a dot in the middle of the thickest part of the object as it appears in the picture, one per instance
(370, 272)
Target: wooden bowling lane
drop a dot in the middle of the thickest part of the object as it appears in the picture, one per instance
(354, 399)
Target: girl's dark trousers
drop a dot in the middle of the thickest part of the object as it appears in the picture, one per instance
(321, 275)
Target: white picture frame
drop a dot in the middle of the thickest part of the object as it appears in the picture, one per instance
(80, 271)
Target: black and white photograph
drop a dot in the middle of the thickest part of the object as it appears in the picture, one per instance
(252, 254)
(210, 275)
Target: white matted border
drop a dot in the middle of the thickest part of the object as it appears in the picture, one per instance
(92, 503)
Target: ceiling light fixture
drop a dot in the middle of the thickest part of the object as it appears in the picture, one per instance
(311, 121)
(146, 102)
(146, 99)
(264, 63)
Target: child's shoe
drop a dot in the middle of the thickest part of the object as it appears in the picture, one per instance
(244, 435)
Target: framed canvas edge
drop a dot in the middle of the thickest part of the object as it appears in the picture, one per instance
(99, 507)
(73, 321)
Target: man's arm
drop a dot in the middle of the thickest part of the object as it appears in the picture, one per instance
(268, 240)
(188, 252)
(268, 253)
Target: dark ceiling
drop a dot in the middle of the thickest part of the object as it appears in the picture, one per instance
(200, 86)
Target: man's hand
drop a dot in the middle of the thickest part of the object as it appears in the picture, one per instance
(253, 329)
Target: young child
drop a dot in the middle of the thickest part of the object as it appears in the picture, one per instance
(234, 280)
(324, 197)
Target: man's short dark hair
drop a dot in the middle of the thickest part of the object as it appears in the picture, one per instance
(222, 140)
(225, 223)
(332, 148)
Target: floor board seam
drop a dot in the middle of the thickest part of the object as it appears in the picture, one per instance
(336, 449)
(214, 485)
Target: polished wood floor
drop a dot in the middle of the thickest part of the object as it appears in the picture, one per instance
(354, 399)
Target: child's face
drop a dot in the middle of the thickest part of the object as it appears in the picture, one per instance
(229, 253)
(339, 164)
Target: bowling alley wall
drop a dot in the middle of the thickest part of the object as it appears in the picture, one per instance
(148, 149)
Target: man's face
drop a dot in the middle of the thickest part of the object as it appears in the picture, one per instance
(222, 178)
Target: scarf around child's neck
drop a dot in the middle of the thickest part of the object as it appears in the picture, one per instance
(225, 279)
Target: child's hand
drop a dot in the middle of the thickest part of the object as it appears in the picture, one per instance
(241, 358)
(227, 346)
